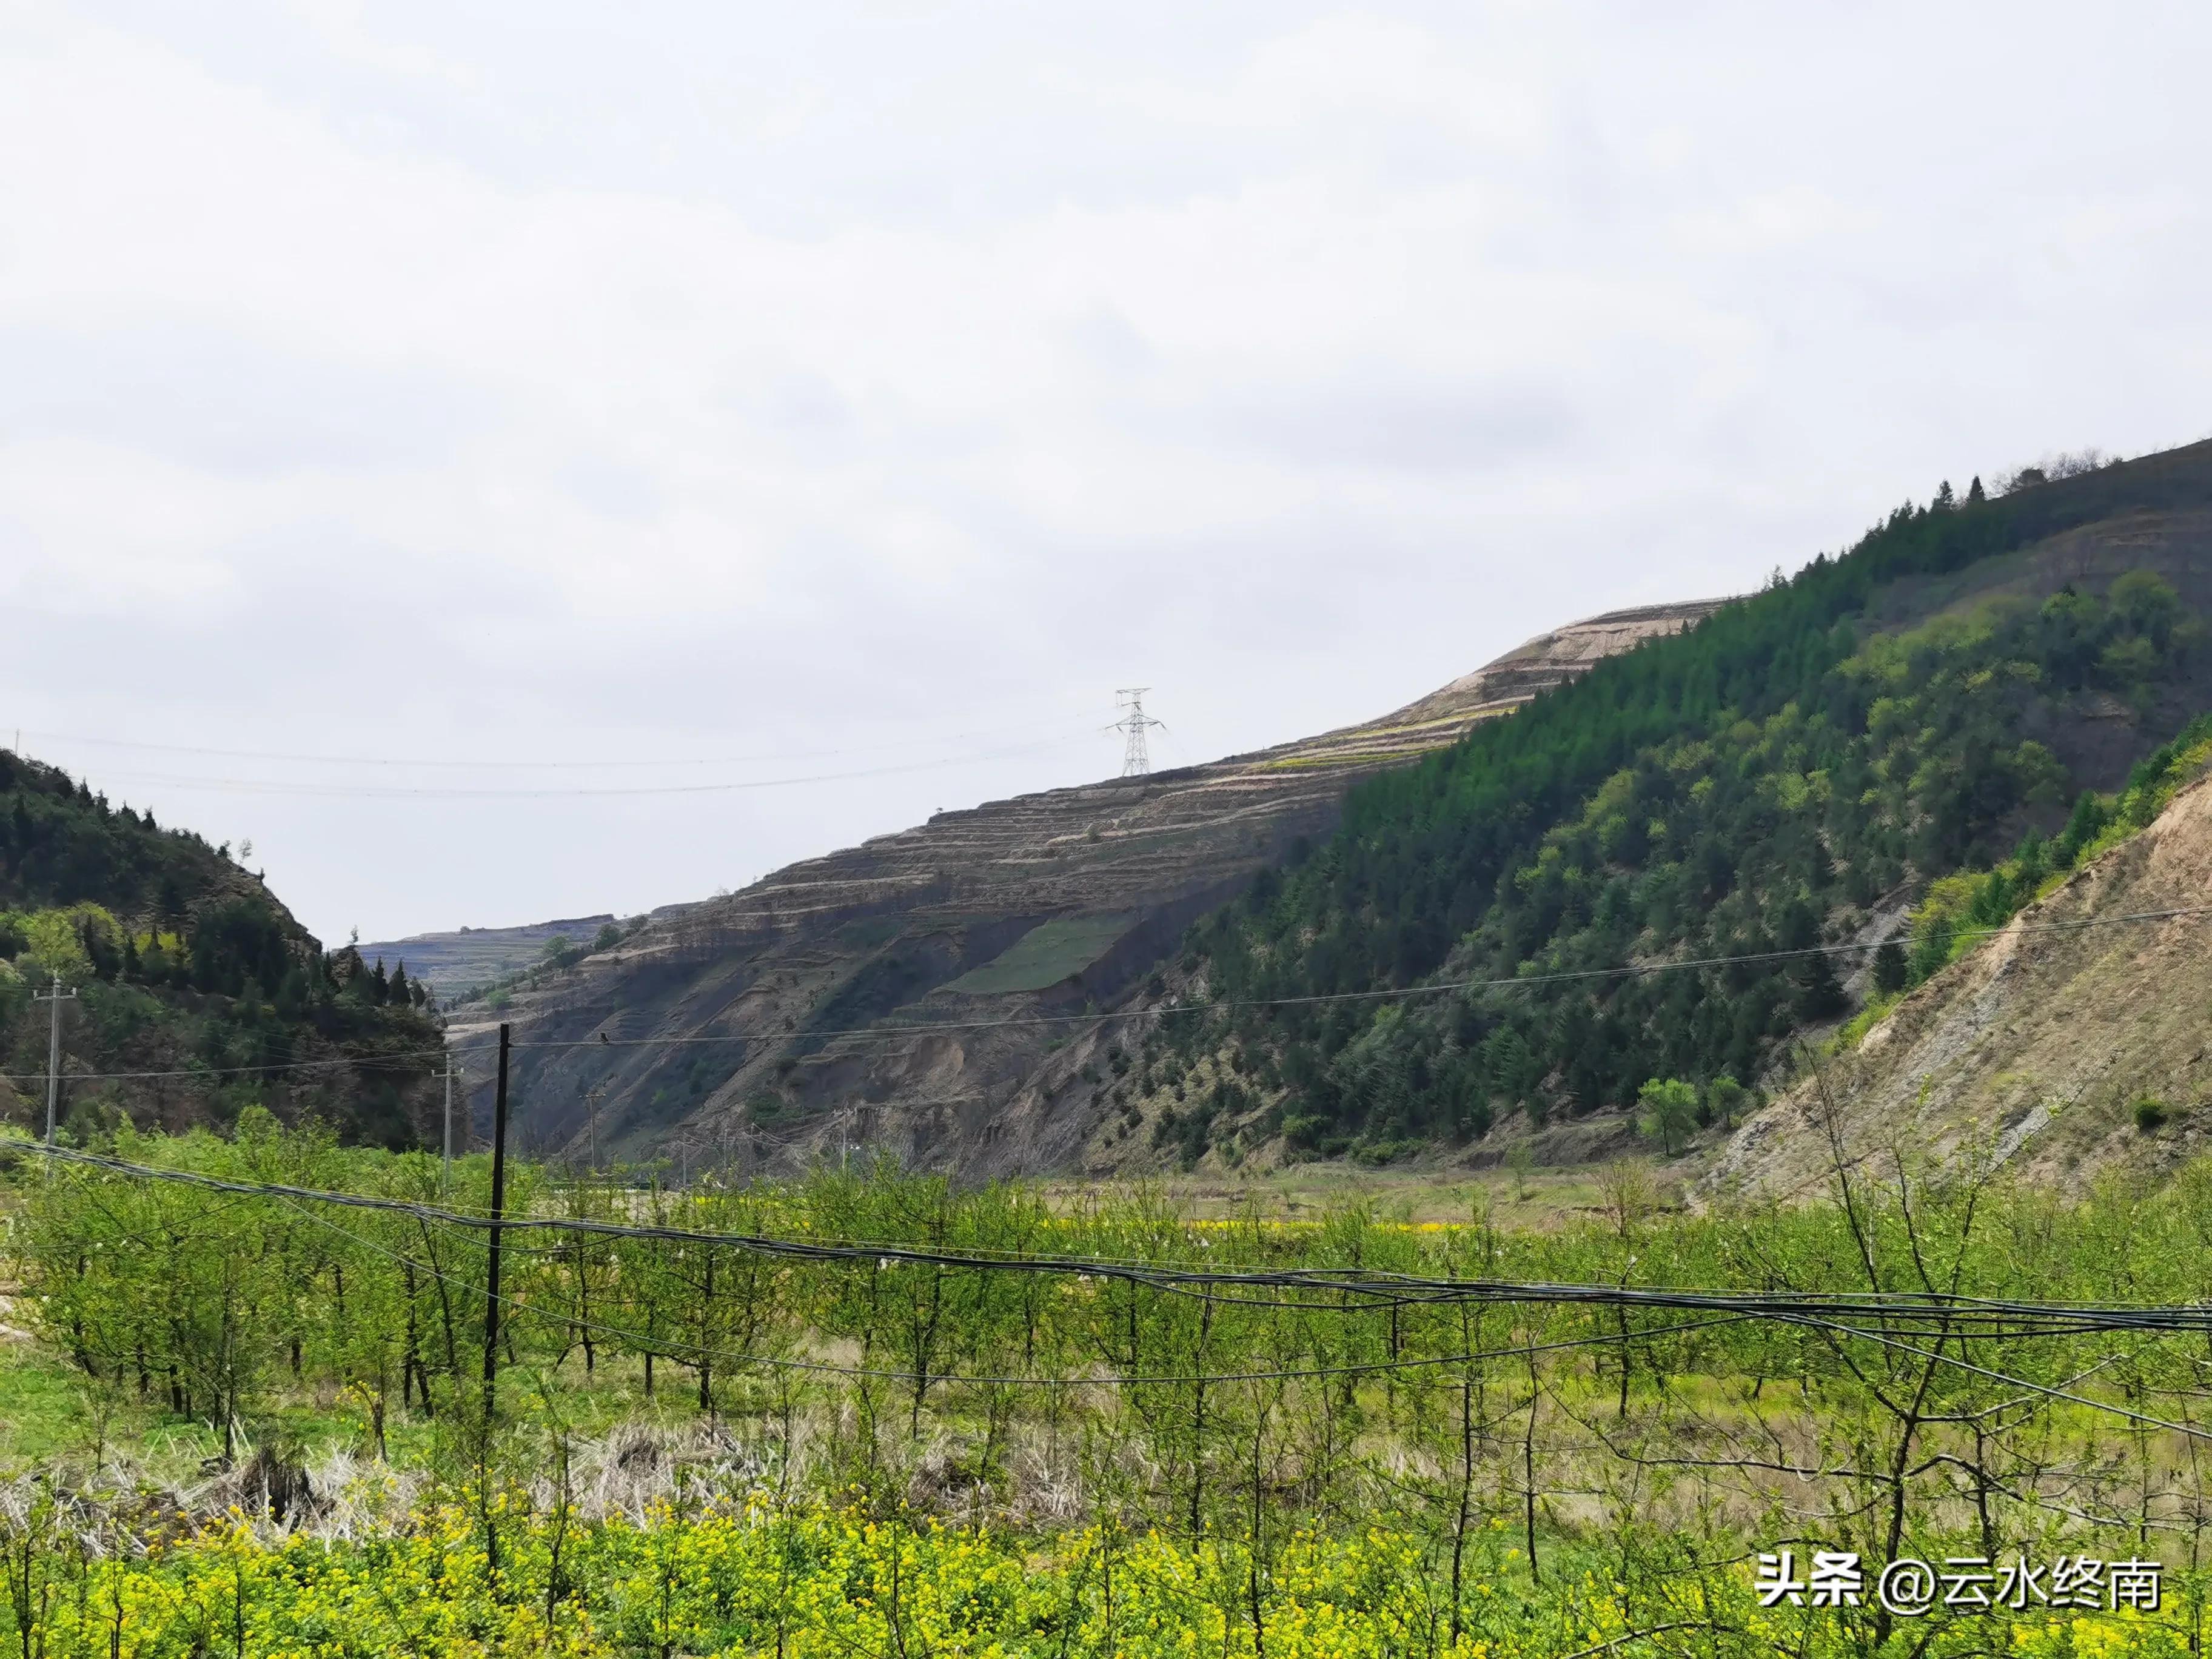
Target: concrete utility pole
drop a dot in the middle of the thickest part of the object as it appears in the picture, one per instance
(591, 1098)
(57, 997)
(491, 1280)
(1136, 761)
(448, 1164)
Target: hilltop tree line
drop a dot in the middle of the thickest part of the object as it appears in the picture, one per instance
(1766, 782)
(62, 843)
(185, 964)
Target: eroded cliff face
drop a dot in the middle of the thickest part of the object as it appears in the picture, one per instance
(790, 996)
(2030, 1053)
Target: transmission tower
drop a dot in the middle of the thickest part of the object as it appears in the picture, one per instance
(1133, 724)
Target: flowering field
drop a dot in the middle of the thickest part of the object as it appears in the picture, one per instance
(828, 1585)
(1101, 1444)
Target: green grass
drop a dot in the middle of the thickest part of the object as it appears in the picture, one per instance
(1046, 955)
(50, 1414)
(870, 932)
(45, 1410)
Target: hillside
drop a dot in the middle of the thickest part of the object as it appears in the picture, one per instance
(198, 994)
(2072, 1043)
(1022, 908)
(1797, 771)
(469, 958)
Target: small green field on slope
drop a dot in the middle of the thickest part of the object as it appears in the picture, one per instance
(1047, 954)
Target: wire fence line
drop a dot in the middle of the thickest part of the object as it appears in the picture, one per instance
(683, 1350)
(1946, 1317)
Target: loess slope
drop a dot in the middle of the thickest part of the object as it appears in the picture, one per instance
(2032, 1051)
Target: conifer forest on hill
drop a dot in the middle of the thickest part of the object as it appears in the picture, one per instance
(1785, 776)
(199, 993)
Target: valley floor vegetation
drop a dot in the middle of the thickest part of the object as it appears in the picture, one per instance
(938, 1421)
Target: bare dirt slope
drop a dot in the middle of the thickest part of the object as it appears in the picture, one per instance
(1030, 909)
(2033, 1050)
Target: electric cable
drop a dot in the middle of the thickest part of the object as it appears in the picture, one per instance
(1509, 982)
(923, 1029)
(627, 762)
(400, 1057)
(1939, 1356)
(402, 791)
(1953, 1317)
(672, 1347)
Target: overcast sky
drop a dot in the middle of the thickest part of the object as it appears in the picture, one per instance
(779, 390)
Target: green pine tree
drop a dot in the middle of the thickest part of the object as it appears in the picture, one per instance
(1723, 1099)
(1891, 969)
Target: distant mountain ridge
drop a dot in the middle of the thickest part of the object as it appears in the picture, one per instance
(470, 958)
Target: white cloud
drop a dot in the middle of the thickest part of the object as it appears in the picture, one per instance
(670, 379)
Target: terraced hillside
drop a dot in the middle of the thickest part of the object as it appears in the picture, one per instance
(1022, 909)
(453, 963)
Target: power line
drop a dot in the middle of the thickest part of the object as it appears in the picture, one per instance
(1812, 1311)
(626, 762)
(401, 792)
(401, 1057)
(924, 1029)
(1963, 1363)
(675, 1346)
(1627, 970)
(1947, 1317)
